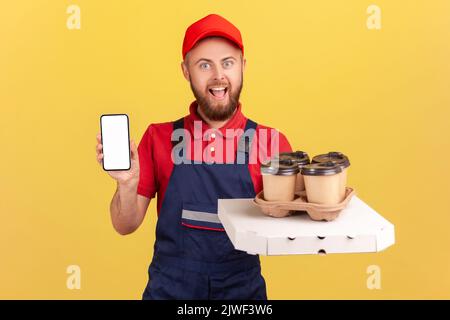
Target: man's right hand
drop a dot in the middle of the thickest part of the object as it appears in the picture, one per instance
(125, 176)
(127, 207)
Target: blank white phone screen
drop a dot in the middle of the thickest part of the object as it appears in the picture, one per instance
(115, 140)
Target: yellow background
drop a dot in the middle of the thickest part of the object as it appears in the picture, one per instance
(314, 71)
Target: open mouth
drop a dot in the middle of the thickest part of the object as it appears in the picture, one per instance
(218, 93)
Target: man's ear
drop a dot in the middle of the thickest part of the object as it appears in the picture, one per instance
(185, 70)
(244, 61)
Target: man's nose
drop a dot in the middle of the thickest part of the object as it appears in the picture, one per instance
(218, 73)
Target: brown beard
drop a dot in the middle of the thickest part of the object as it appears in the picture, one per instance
(222, 113)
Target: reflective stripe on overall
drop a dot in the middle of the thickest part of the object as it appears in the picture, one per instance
(193, 256)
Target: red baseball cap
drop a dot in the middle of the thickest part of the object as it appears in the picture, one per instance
(211, 25)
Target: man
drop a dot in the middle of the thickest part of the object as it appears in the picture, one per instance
(215, 145)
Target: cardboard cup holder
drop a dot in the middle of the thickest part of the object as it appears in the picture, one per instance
(279, 209)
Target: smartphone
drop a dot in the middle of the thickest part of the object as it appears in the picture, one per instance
(115, 136)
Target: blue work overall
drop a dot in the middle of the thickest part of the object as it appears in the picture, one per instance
(193, 256)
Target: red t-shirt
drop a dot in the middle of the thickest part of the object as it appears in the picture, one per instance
(155, 149)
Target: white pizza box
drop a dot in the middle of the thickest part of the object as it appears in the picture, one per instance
(358, 228)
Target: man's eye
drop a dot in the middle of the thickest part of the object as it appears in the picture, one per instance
(204, 65)
(228, 64)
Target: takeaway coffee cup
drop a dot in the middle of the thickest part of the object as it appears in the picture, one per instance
(323, 183)
(279, 177)
(339, 159)
(302, 159)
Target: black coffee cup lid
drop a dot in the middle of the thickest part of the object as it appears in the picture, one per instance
(300, 157)
(336, 157)
(321, 169)
(280, 167)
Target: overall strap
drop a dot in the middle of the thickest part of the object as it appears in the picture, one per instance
(177, 149)
(245, 142)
